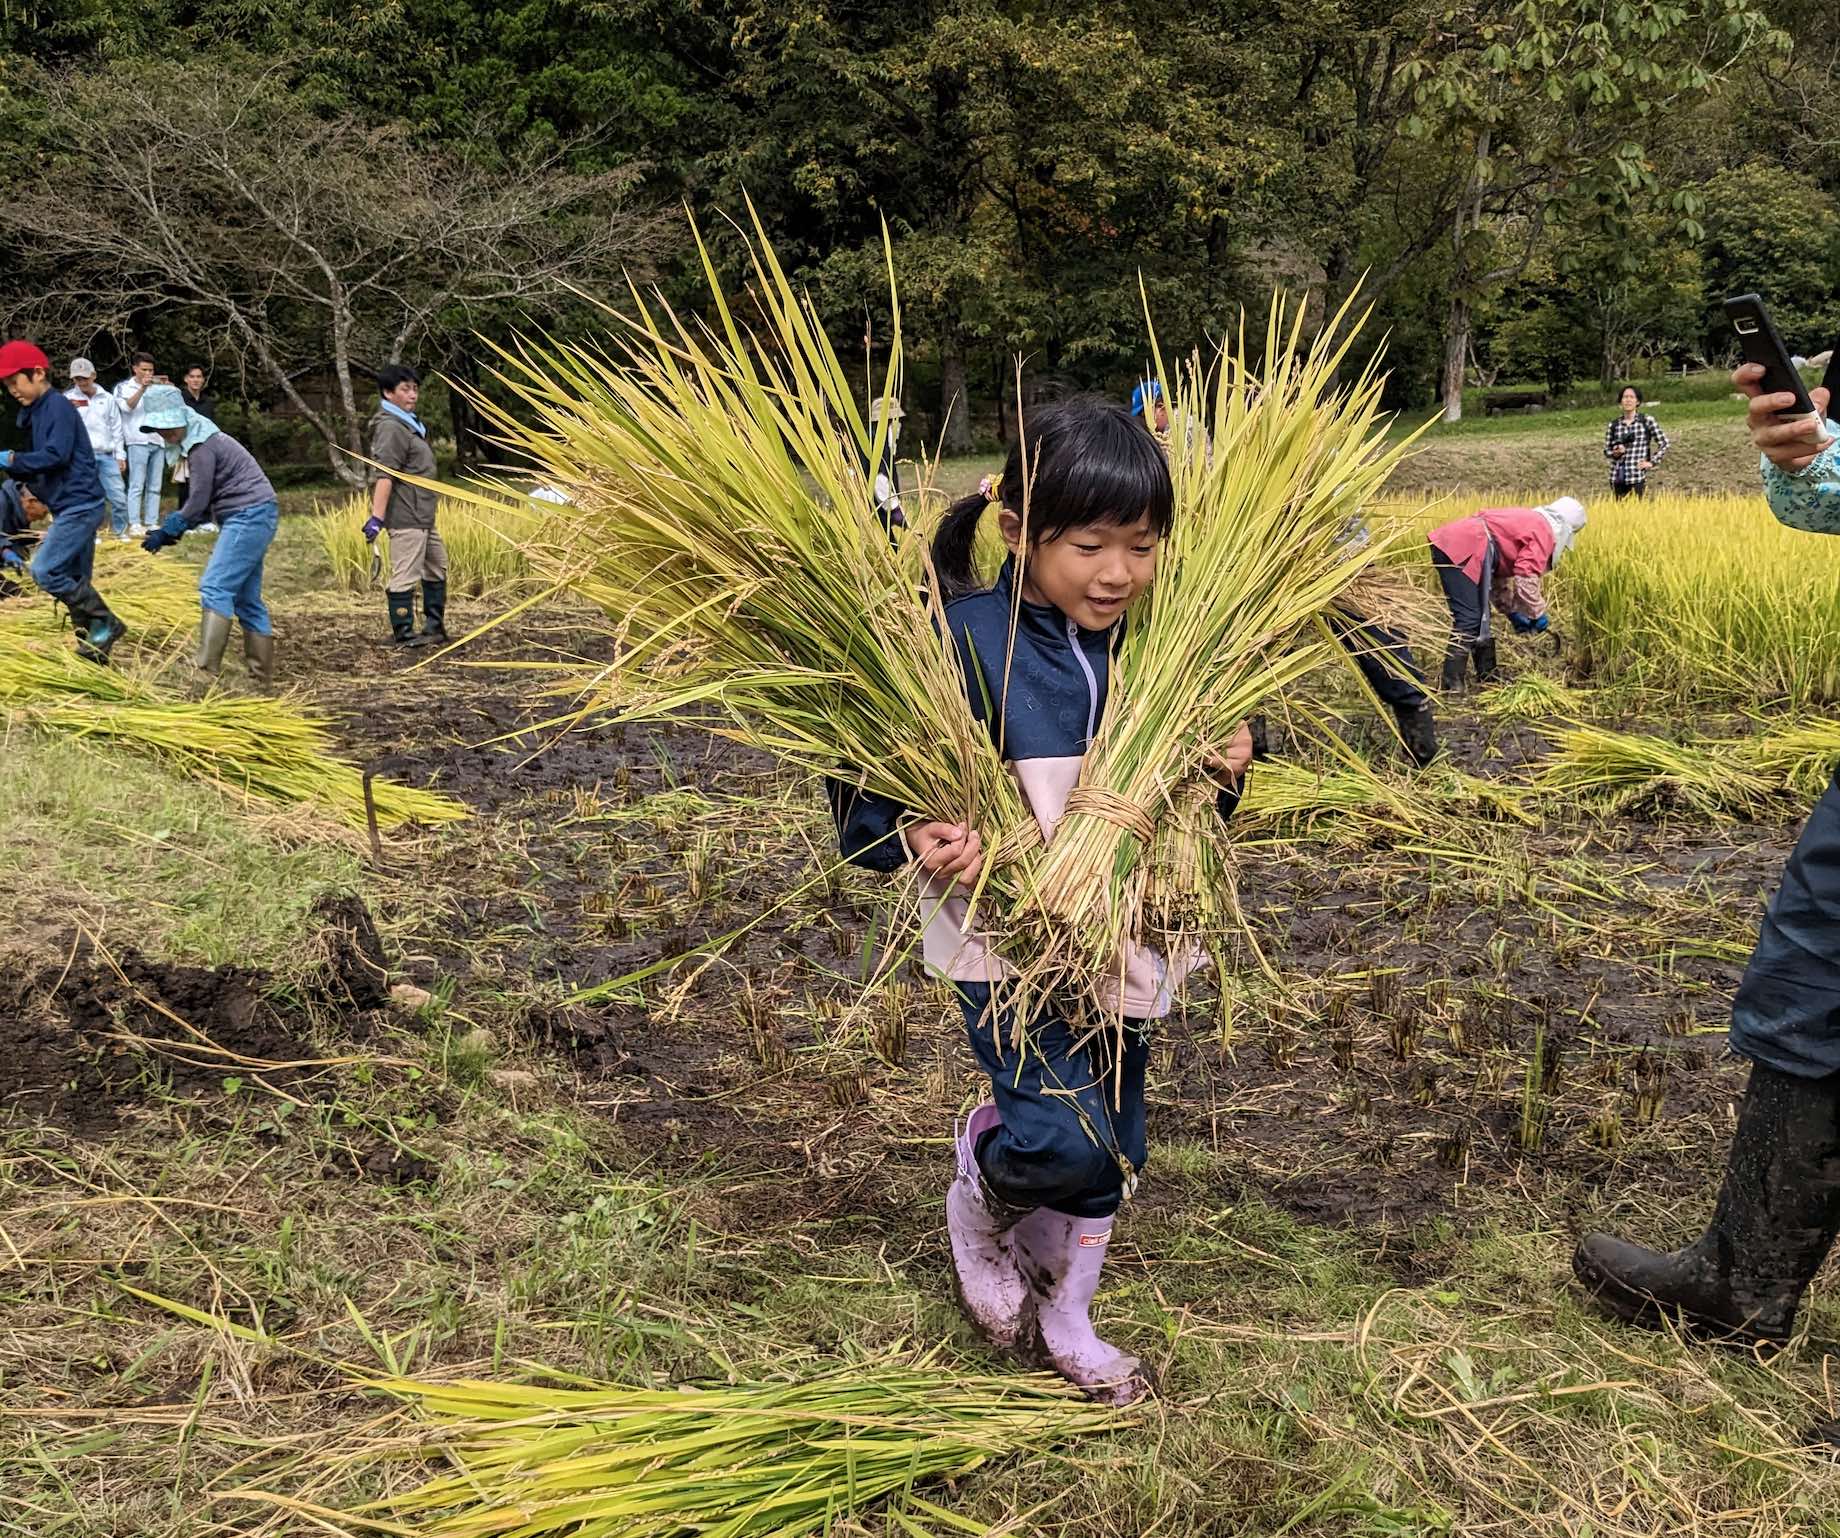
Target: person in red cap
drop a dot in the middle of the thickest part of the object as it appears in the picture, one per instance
(59, 468)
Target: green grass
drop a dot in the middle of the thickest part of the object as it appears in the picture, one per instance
(164, 861)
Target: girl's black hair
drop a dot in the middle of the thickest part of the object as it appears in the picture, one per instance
(1089, 462)
(1625, 390)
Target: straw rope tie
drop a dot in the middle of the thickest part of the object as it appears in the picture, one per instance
(1109, 806)
(1021, 841)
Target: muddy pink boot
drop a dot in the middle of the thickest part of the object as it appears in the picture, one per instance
(1061, 1259)
(990, 1286)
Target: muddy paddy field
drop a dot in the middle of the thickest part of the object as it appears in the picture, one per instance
(624, 1076)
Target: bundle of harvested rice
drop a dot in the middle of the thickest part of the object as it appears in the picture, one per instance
(155, 599)
(253, 745)
(1531, 697)
(1625, 769)
(720, 514)
(765, 1458)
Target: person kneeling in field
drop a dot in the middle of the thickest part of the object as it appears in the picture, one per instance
(19, 510)
(225, 486)
(1498, 555)
(60, 469)
(1779, 1208)
(1044, 1165)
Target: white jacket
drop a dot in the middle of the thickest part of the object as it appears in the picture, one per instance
(102, 417)
(131, 430)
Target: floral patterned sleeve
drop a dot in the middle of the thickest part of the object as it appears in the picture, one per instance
(1808, 499)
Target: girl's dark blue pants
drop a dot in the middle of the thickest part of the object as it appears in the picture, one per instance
(1073, 1133)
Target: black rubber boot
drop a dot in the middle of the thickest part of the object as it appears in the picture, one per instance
(1456, 667)
(402, 617)
(434, 613)
(97, 627)
(1483, 653)
(1776, 1218)
(1418, 731)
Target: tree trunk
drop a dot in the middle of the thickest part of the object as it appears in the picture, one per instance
(954, 402)
(1456, 352)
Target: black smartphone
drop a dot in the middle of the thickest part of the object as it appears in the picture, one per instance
(1757, 335)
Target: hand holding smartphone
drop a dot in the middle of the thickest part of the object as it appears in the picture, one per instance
(1762, 345)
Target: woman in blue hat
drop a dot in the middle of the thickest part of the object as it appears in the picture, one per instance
(226, 486)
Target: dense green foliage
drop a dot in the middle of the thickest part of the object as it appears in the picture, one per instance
(1541, 188)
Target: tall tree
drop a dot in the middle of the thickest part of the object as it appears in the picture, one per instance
(298, 238)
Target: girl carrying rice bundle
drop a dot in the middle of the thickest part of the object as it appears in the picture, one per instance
(1044, 1164)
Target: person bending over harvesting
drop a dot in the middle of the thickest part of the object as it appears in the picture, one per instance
(1779, 1207)
(399, 443)
(1634, 444)
(59, 468)
(225, 486)
(1044, 1164)
(1497, 557)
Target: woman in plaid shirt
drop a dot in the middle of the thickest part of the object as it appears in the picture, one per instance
(1634, 444)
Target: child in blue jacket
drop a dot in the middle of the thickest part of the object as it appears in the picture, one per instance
(1043, 1165)
(60, 468)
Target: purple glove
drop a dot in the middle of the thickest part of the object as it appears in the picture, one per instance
(373, 526)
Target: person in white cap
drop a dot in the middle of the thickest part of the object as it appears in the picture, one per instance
(101, 417)
(1497, 557)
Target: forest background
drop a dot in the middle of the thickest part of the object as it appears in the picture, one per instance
(1552, 193)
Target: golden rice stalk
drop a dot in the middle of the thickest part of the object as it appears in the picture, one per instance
(1269, 468)
(721, 515)
(776, 1459)
(252, 745)
(1624, 768)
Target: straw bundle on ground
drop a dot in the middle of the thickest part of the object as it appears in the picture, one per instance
(156, 599)
(773, 1458)
(253, 745)
(721, 516)
(1752, 776)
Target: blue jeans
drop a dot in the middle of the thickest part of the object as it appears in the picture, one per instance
(67, 552)
(232, 580)
(1073, 1115)
(146, 467)
(114, 492)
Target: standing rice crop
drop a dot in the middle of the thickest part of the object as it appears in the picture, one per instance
(486, 543)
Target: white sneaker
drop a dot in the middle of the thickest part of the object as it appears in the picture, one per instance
(207, 528)
(135, 530)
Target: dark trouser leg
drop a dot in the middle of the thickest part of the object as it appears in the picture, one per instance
(1384, 658)
(1469, 616)
(1072, 1114)
(1779, 1208)
(1787, 1010)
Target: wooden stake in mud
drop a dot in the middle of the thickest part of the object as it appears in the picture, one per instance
(370, 820)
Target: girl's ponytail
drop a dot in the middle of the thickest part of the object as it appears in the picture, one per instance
(954, 545)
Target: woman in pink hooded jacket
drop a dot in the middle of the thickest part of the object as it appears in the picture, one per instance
(1497, 557)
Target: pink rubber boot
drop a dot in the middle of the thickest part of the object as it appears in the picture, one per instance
(990, 1286)
(1061, 1260)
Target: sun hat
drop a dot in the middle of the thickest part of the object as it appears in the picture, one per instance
(163, 407)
